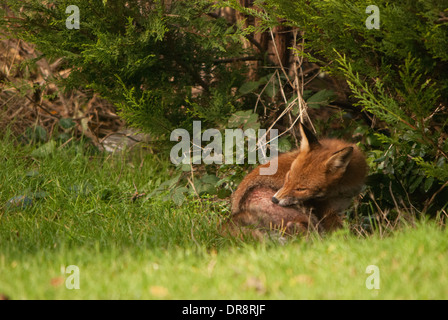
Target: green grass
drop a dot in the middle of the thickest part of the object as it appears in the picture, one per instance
(82, 214)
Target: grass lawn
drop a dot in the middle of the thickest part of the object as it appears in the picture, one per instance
(78, 212)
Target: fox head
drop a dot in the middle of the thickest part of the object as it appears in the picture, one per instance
(316, 171)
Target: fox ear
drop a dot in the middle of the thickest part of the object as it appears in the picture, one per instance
(308, 139)
(339, 160)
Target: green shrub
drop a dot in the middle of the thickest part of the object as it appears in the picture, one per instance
(160, 62)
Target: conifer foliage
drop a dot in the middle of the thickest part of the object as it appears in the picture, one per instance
(161, 62)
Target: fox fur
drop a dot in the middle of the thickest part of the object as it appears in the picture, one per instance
(309, 191)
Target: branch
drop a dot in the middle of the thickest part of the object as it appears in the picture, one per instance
(235, 59)
(248, 37)
(193, 74)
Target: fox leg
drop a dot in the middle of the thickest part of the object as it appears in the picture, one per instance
(328, 212)
(260, 212)
(331, 221)
(303, 224)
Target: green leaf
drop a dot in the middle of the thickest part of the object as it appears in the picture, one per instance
(36, 133)
(64, 136)
(252, 122)
(45, 150)
(271, 89)
(380, 159)
(322, 97)
(67, 123)
(240, 118)
(249, 87)
(294, 96)
(428, 183)
(206, 185)
(209, 178)
(41, 133)
(178, 195)
(170, 183)
(307, 94)
(414, 185)
(295, 108)
(223, 193)
(185, 167)
(284, 145)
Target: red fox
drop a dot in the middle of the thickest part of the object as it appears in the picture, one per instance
(311, 187)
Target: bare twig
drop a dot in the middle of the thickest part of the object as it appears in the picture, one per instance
(434, 196)
(235, 59)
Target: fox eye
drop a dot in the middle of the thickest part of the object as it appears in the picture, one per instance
(300, 189)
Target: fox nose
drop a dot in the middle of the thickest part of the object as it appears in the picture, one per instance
(275, 200)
